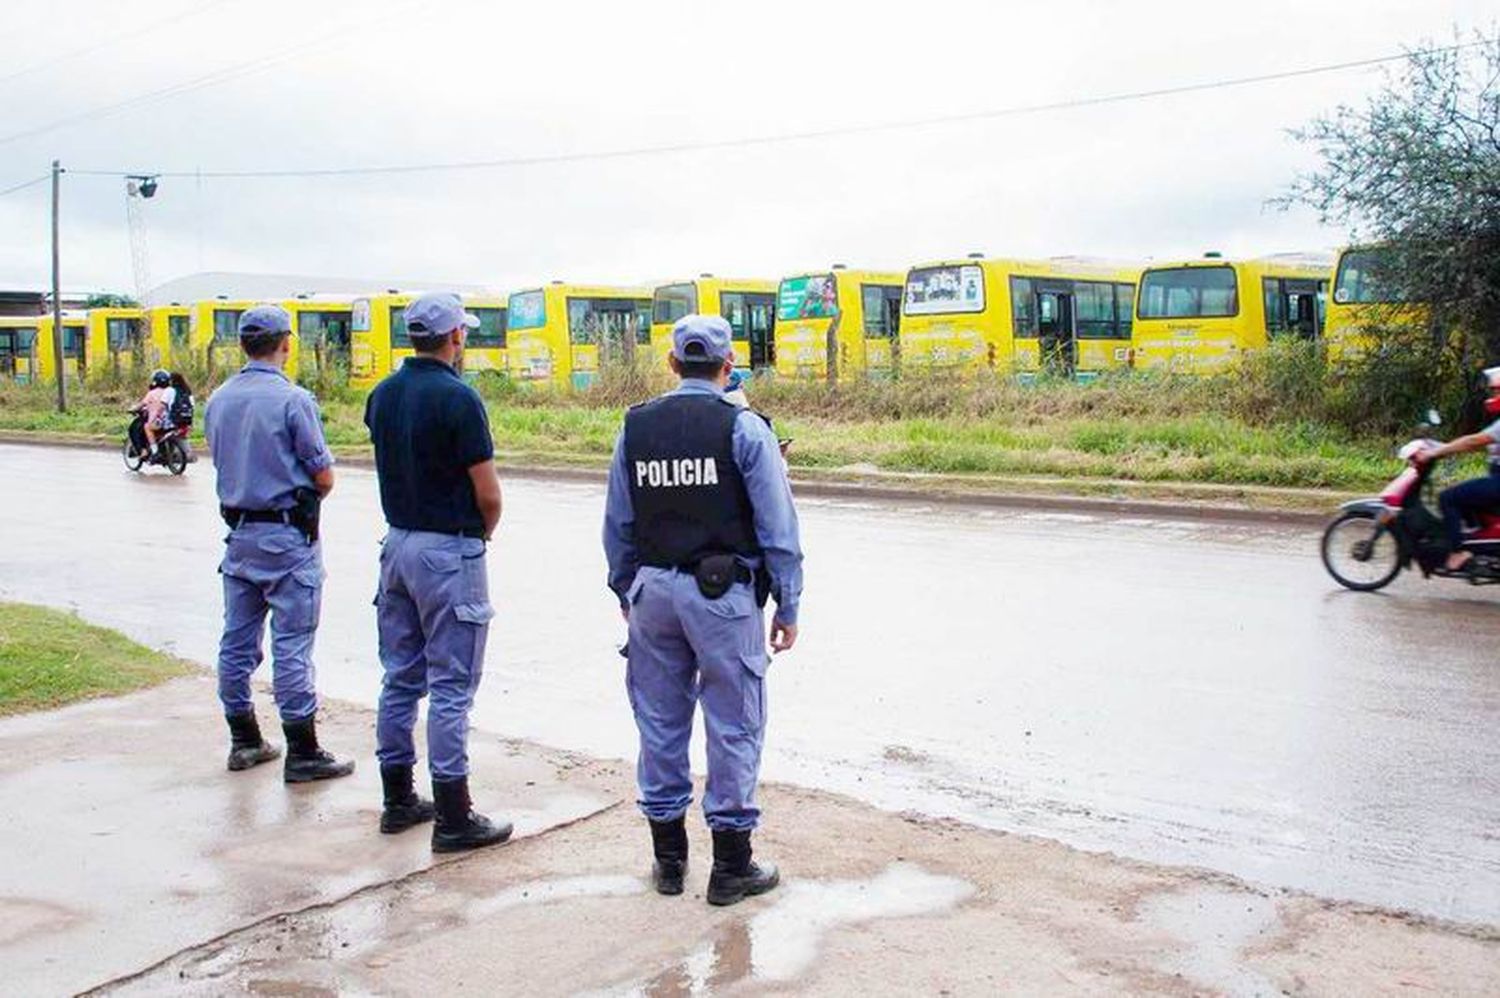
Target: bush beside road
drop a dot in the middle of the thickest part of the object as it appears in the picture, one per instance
(1278, 422)
(49, 658)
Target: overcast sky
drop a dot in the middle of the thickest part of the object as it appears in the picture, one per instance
(314, 84)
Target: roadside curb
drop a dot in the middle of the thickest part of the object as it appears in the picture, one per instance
(866, 486)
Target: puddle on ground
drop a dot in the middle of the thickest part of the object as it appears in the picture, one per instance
(544, 891)
(782, 941)
(1215, 927)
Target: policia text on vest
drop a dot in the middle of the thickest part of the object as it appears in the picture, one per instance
(671, 474)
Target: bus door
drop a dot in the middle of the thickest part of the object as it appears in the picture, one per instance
(1294, 307)
(125, 341)
(1056, 333)
(10, 353)
(324, 338)
(752, 316)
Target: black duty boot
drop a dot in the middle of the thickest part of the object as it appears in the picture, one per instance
(669, 842)
(305, 761)
(246, 747)
(459, 826)
(403, 808)
(735, 876)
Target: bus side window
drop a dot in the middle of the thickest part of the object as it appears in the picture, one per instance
(1276, 306)
(732, 308)
(1124, 309)
(1023, 308)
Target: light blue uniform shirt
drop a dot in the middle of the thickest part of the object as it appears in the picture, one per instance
(758, 457)
(266, 438)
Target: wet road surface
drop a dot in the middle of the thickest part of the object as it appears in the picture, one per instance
(1183, 692)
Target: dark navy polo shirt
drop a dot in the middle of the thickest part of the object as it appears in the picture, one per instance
(428, 428)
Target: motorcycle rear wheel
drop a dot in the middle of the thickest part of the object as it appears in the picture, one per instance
(1359, 553)
(175, 458)
(133, 458)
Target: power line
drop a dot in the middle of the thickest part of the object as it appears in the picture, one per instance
(103, 43)
(810, 135)
(208, 79)
(29, 183)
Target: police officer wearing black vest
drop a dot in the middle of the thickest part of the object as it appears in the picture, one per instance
(699, 529)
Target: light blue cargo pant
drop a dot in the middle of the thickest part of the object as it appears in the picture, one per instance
(686, 649)
(270, 568)
(433, 614)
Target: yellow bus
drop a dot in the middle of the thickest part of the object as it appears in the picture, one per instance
(1362, 301)
(119, 340)
(76, 358)
(861, 307)
(561, 334)
(1199, 316)
(378, 341)
(748, 305)
(322, 332)
(19, 344)
(214, 334)
(170, 331)
(1066, 317)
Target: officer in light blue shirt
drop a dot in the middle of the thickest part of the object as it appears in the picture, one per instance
(699, 527)
(273, 468)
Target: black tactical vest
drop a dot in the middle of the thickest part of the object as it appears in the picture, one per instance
(688, 495)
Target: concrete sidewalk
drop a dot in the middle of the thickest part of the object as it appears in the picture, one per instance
(135, 864)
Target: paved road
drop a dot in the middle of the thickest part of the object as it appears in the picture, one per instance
(1176, 691)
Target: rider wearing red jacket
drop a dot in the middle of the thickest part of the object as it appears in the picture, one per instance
(1478, 495)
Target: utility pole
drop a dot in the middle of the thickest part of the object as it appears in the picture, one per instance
(57, 321)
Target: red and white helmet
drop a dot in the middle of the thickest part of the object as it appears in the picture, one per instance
(1492, 390)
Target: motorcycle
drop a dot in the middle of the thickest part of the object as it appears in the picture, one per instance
(1372, 540)
(172, 448)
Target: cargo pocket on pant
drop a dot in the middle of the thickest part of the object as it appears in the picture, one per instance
(309, 610)
(754, 688)
(474, 613)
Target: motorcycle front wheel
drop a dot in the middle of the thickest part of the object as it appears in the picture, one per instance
(1359, 552)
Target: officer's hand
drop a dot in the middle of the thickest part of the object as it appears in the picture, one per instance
(783, 636)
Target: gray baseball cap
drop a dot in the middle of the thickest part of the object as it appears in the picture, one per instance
(702, 337)
(437, 314)
(264, 319)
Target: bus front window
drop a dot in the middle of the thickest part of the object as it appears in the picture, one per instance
(1189, 293)
(673, 302)
(935, 290)
(807, 298)
(1361, 279)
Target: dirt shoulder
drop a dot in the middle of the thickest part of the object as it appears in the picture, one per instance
(1110, 496)
(148, 868)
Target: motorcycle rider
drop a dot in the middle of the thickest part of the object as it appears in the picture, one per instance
(153, 409)
(1478, 495)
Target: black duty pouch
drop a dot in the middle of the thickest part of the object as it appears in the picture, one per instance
(715, 574)
(307, 512)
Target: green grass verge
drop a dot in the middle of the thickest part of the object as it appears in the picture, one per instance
(1137, 430)
(49, 658)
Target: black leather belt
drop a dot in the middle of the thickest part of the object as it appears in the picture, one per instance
(742, 572)
(235, 517)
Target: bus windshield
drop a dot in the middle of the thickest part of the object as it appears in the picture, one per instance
(933, 290)
(1189, 293)
(1361, 281)
(491, 331)
(599, 321)
(673, 302)
(528, 310)
(807, 298)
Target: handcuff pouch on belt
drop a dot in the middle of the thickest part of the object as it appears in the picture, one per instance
(716, 573)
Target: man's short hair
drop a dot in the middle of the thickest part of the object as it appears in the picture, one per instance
(704, 369)
(429, 344)
(257, 345)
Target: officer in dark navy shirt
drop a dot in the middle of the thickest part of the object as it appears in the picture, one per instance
(441, 496)
(698, 508)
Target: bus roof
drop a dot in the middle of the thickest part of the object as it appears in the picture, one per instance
(1063, 267)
